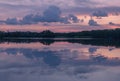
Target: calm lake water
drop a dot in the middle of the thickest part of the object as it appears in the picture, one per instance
(58, 61)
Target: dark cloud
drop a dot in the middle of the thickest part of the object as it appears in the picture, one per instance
(12, 21)
(51, 14)
(30, 19)
(100, 14)
(93, 23)
(73, 18)
(64, 20)
(111, 23)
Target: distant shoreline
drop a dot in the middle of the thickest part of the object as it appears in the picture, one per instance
(47, 34)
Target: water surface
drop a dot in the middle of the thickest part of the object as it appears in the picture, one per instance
(59, 61)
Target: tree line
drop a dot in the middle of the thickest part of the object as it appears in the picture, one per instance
(105, 34)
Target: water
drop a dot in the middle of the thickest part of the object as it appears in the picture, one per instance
(59, 61)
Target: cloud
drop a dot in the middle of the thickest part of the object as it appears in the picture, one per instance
(12, 21)
(21, 8)
(60, 2)
(30, 19)
(111, 23)
(85, 3)
(51, 14)
(100, 14)
(73, 18)
(89, 10)
(93, 23)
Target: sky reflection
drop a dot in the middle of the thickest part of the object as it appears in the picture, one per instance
(59, 61)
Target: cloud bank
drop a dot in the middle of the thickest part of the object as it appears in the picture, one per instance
(100, 13)
(51, 14)
(22, 7)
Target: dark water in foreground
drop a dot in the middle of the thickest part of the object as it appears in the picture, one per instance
(59, 61)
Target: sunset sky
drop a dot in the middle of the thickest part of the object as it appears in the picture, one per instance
(62, 15)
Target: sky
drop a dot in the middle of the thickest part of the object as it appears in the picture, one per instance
(77, 15)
